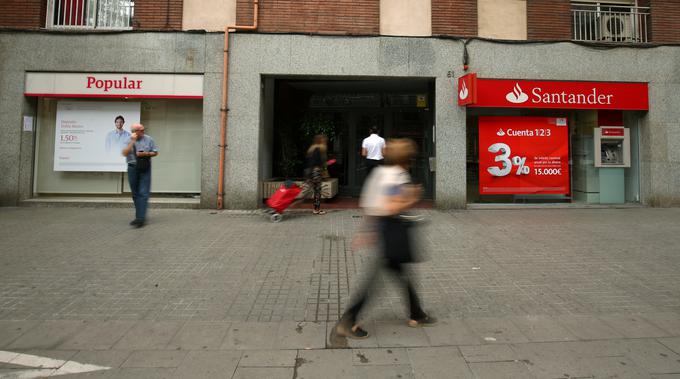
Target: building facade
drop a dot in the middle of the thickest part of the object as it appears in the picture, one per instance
(340, 68)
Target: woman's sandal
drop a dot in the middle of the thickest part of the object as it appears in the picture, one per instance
(319, 212)
(425, 321)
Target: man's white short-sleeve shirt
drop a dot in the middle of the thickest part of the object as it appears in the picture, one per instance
(374, 145)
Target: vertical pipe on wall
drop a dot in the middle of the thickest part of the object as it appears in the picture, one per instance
(223, 108)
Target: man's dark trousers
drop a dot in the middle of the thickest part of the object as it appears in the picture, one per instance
(140, 185)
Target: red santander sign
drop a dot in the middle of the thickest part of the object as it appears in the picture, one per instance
(514, 93)
(523, 155)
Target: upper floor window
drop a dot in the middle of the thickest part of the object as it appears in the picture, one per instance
(616, 22)
(90, 14)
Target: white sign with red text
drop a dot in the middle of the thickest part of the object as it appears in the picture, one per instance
(86, 137)
(153, 86)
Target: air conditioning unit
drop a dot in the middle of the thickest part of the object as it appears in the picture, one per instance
(617, 28)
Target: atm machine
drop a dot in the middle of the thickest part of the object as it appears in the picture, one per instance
(612, 156)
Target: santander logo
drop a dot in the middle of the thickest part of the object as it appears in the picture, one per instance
(463, 94)
(500, 133)
(516, 96)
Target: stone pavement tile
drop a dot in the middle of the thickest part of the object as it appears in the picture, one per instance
(651, 355)
(101, 374)
(438, 362)
(108, 358)
(251, 335)
(301, 335)
(451, 332)
(11, 330)
(668, 321)
(380, 356)
(47, 335)
(98, 335)
(138, 373)
(264, 372)
(268, 358)
(383, 372)
(155, 358)
(149, 335)
(327, 364)
(633, 326)
(198, 335)
(600, 348)
(209, 364)
(551, 360)
(538, 328)
(397, 333)
(588, 327)
(614, 367)
(488, 353)
(496, 330)
(501, 370)
(672, 343)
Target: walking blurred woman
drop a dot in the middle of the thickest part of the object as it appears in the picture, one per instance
(386, 196)
(316, 168)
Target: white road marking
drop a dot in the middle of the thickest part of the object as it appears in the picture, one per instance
(40, 367)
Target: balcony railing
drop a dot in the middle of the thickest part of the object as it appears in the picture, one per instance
(610, 23)
(90, 14)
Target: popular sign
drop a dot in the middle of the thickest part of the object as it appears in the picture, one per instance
(523, 155)
(165, 86)
(512, 93)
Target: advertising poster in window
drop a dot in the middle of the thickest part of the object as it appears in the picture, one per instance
(523, 155)
(91, 135)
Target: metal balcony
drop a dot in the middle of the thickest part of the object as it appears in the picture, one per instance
(610, 23)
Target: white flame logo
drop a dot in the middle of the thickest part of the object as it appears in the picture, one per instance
(517, 96)
(463, 94)
(500, 133)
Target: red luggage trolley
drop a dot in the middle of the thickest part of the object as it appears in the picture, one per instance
(282, 199)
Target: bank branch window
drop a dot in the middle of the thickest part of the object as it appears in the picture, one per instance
(79, 152)
(552, 140)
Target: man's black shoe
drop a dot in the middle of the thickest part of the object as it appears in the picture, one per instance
(136, 222)
(139, 223)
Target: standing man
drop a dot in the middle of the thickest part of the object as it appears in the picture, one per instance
(118, 137)
(139, 150)
(372, 148)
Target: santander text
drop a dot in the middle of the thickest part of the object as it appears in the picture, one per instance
(570, 98)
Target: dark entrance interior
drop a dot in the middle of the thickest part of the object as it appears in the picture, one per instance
(345, 110)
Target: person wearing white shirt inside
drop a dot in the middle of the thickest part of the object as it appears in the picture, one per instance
(118, 137)
(373, 148)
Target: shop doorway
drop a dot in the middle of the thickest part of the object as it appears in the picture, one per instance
(345, 111)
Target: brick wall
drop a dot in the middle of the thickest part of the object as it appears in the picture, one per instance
(24, 14)
(313, 16)
(158, 14)
(454, 17)
(665, 18)
(549, 20)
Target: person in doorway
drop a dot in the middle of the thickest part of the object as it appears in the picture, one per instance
(386, 196)
(316, 169)
(372, 149)
(118, 137)
(138, 152)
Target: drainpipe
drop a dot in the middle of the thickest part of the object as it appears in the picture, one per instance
(225, 92)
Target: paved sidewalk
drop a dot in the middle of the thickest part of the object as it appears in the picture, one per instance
(559, 293)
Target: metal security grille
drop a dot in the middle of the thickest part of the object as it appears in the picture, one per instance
(610, 23)
(90, 14)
